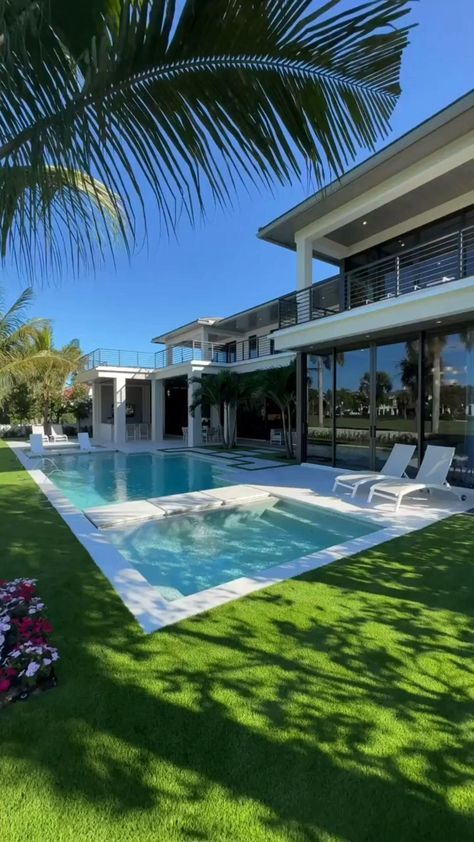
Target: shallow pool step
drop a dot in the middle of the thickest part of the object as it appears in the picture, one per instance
(103, 517)
(118, 514)
(238, 494)
(177, 504)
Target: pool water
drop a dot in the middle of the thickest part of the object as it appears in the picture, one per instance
(102, 478)
(187, 554)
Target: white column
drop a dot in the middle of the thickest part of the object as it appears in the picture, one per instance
(96, 409)
(304, 263)
(157, 410)
(120, 406)
(194, 422)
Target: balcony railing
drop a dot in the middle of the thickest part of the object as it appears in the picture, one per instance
(118, 359)
(213, 352)
(440, 261)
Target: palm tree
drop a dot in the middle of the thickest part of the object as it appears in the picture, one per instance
(279, 385)
(187, 100)
(224, 391)
(54, 366)
(17, 337)
(28, 356)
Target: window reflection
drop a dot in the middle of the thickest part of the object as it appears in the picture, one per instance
(396, 398)
(449, 398)
(320, 408)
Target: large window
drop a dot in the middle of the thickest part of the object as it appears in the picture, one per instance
(449, 398)
(352, 408)
(320, 376)
(253, 347)
(386, 394)
(396, 397)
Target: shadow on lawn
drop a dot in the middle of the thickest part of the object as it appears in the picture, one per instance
(304, 700)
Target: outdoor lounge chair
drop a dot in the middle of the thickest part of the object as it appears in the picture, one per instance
(395, 466)
(36, 444)
(430, 477)
(57, 433)
(84, 442)
(38, 430)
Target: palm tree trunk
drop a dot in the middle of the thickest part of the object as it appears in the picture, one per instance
(226, 437)
(435, 407)
(320, 393)
(290, 449)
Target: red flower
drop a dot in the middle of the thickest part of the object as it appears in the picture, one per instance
(10, 671)
(4, 684)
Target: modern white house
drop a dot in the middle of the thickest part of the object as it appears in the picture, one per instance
(146, 396)
(384, 346)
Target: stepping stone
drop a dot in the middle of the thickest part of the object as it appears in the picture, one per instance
(177, 504)
(118, 514)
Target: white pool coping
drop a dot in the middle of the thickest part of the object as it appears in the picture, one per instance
(309, 484)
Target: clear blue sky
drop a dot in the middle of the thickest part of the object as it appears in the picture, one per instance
(220, 267)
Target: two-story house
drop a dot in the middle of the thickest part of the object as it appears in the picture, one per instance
(385, 348)
(146, 396)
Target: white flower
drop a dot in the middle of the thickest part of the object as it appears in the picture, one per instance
(46, 661)
(32, 668)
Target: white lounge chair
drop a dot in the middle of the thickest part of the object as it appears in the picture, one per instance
(395, 466)
(57, 433)
(38, 430)
(36, 444)
(84, 442)
(430, 477)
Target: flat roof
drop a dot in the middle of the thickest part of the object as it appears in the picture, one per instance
(432, 134)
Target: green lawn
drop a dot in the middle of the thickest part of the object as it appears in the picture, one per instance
(338, 706)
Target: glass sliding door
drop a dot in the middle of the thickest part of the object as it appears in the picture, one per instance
(319, 403)
(449, 398)
(354, 447)
(396, 398)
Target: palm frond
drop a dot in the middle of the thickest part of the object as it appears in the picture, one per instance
(190, 103)
(13, 318)
(49, 204)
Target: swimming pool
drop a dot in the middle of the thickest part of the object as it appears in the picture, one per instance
(185, 554)
(102, 478)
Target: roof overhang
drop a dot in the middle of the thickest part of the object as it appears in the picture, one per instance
(427, 173)
(177, 333)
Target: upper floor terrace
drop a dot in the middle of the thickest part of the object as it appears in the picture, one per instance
(193, 350)
(430, 264)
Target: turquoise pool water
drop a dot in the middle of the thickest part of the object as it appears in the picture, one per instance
(102, 478)
(186, 554)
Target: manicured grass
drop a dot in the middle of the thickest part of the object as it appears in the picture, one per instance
(338, 706)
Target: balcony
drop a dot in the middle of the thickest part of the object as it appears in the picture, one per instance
(173, 355)
(437, 262)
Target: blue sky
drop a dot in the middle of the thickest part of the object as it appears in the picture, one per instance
(220, 267)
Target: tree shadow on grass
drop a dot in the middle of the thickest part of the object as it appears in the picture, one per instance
(322, 708)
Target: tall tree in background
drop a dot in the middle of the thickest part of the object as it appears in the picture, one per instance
(224, 391)
(187, 100)
(56, 365)
(279, 385)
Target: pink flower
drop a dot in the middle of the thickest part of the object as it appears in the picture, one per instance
(4, 684)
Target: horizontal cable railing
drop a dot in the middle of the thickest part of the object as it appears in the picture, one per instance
(439, 261)
(115, 358)
(213, 352)
(315, 302)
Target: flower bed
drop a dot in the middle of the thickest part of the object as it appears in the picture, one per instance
(26, 657)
